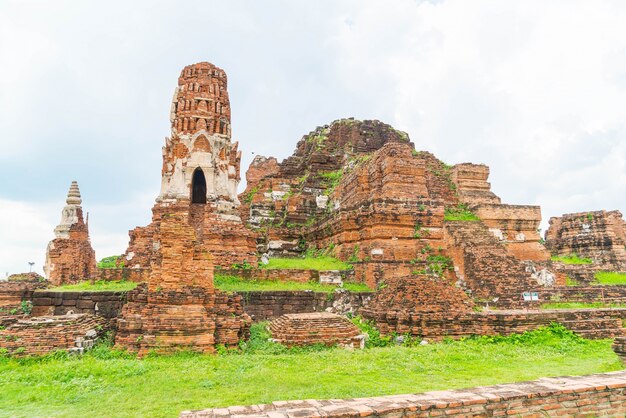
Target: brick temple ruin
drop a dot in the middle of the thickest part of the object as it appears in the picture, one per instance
(69, 256)
(356, 190)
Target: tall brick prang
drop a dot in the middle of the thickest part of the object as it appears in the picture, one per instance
(70, 257)
(200, 173)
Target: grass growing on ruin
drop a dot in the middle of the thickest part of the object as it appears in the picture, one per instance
(571, 259)
(322, 262)
(237, 284)
(610, 277)
(97, 286)
(459, 213)
(581, 305)
(110, 383)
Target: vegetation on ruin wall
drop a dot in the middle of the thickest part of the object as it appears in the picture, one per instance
(459, 213)
(323, 262)
(610, 277)
(110, 383)
(111, 262)
(97, 286)
(237, 284)
(571, 259)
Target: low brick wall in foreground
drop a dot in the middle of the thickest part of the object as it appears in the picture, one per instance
(105, 304)
(592, 395)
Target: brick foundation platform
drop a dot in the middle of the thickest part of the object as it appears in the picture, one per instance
(592, 395)
(316, 328)
(44, 334)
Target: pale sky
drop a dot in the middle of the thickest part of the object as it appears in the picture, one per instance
(534, 89)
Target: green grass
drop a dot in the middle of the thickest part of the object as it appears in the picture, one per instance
(323, 262)
(113, 384)
(459, 213)
(237, 284)
(581, 305)
(98, 286)
(610, 277)
(571, 259)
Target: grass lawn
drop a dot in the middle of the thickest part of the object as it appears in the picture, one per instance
(97, 286)
(610, 277)
(113, 384)
(308, 263)
(237, 284)
(581, 305)
(571, 259)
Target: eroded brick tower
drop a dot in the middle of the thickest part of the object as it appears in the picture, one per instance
(200, 173)
(69, 256)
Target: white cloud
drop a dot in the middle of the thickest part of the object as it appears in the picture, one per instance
(534, 89)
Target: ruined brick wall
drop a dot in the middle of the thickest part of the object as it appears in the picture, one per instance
(282, 200)
(105, 304)
(517, 226)
(472, 185)
(571, 396)
(382, 213)
(598, 235)
(264, 305)
(200, 174)
(316, 328)
(136, 275)
(485, 268)
(42, 335)
(589, 323)
(13, 293)
(178, 307)
(70, 257)
(225, 238)
(289, 275)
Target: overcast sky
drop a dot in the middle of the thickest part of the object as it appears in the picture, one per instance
(534, 89)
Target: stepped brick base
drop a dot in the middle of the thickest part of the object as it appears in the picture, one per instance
(592, 395)
(189, 318)
(316, 328)
(619, 346)
(588, 323)
(44, 334)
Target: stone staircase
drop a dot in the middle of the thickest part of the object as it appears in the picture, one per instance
(489, 272)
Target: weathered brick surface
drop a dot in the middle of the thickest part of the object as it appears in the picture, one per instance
(484, 266)
(599, 235)
(70, 257)
(136, 275)
(178, 307)
(316, 328)
(104, 304)
(592, 395)
(282, 200)
(291, 275)
(589, 323)
(472, 185)
(12, 293)
(41, 335)
(265, 305)
(200, 173)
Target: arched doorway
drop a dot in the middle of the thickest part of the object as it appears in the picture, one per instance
(198, 187)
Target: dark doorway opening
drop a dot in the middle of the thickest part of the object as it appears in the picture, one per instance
(198, 187)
